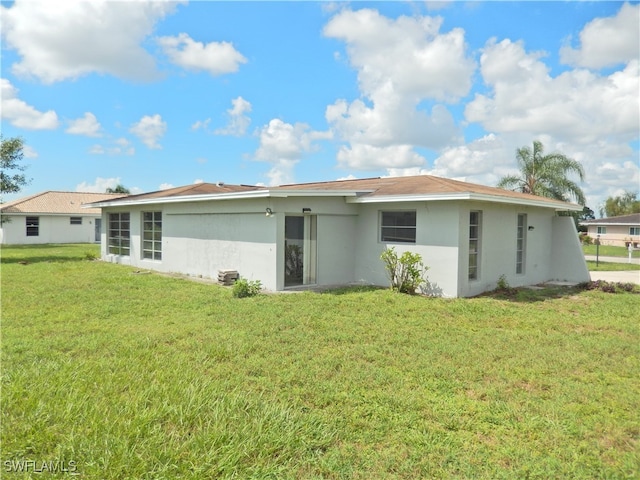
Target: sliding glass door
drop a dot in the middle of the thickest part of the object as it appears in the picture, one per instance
(300, 247)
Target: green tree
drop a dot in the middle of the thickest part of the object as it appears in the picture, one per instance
(624, 204)
(545, 175)
(11, 180)
(118, 189)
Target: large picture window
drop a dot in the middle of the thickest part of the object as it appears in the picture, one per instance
(521, 242)
(119, 233)
(152, 235)
(475, 219)
(398, 226)
(33, 226)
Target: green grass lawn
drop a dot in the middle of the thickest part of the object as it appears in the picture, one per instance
(610, 251)
(594, 266)
(133, 375)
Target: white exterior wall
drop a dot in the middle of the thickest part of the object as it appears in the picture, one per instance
(567, 261)
(200, 238)
(498, 245)
(436, 241)
(52, 229)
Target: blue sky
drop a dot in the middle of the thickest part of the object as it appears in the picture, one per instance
(156, 94)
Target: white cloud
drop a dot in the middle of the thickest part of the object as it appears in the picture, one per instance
(66, 40)
(238, 121)
(283, 145)
(217, 58)
(607, 41)
(29, 152)
(87, 125)
(368, 157)
(165, 186)
(426, 63)
(576, 106)
(22, 115)
(201, 124)
(197, 181)
(120, 146)
(99, 186)
(149, 130)
(389, 121)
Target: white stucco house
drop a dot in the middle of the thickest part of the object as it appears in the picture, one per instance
(330, 233)
(52, 217)
(620, 231)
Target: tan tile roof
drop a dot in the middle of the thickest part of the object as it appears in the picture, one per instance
(58, 203)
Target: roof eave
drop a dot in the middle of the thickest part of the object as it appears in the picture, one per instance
(466, 196)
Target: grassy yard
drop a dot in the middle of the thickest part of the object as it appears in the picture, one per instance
(610, 251)
(134, 375)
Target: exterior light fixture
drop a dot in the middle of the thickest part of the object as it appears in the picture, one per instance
(269, 212)
(531, 227)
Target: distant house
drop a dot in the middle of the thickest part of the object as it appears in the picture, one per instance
(331, 233)
(52, 217)
(620, 231)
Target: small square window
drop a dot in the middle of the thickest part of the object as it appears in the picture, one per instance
(75, 221)
(398, 227)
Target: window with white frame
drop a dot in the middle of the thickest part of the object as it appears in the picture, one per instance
(475, 220)
(119, 242)
(152, 235)
(75, 221)
(634, 230)
(602, 230)
(521, 242)
(33, 226)
(398, 226)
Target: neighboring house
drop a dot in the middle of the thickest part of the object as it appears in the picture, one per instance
(52, 217)
(332, 233)
(620, 231)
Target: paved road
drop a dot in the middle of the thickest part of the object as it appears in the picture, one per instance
(622, 276)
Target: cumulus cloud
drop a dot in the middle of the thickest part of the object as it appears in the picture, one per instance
(29, 152)
(100, 185)
(217, 58)
(65, 40)
(607, 41)
(368, 157)
(238, 120)
(426, 63)
(22, 115)
(201, 124)
(149, 130)
(119, 146)
(165, 186)
(283, 145)
(87, 125)
(577, 105)
(388, 122)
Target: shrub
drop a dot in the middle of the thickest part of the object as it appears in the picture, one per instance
(406, 272)
(609, 287)
(90, 256)
(246, 288)
(586, 240)
(502, 283)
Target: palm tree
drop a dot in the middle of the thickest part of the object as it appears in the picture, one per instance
(545, 175)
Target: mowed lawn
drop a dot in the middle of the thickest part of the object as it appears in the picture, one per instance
(137, 375)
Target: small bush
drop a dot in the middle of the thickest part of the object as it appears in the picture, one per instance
(246, 288)
(406, 273)
(586, 240)
(502, 283)
(90, 256)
